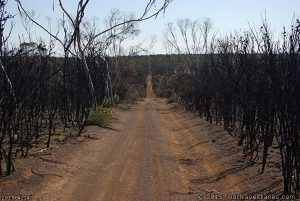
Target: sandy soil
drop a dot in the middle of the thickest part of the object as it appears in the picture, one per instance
(153, 152)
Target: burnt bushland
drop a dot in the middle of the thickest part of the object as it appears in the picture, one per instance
(249, 83)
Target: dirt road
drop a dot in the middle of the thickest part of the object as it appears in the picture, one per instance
(133, 163)
(154, 152)
(138, 162)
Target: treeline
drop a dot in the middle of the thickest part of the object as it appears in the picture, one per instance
(248, 82)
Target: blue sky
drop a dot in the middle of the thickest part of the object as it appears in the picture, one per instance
(226, 15)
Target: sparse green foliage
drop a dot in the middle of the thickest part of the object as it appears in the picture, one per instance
(99, 116)
(106, 102)
(59, 137)
(173, 97)
(116, 99)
